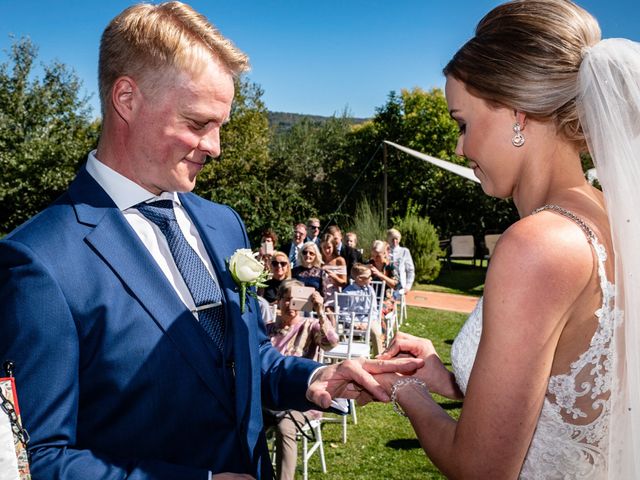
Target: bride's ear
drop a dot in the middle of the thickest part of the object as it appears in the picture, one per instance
(521, 118)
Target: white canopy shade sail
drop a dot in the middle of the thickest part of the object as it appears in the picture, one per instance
(465, 172)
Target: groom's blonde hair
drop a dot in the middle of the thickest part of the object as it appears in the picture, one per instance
(146, 42)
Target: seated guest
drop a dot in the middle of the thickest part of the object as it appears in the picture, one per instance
(383, 269)
(363, 294)
(309, 270)
(335, 270)
(401, 259)
(280, 271)
(346, 252)
(352, 242)
(268, 242)
(265, 310)
(269, 235)
(299, 235)
(313, 230)
(295, 335)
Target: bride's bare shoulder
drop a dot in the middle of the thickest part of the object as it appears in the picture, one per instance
(543, 256)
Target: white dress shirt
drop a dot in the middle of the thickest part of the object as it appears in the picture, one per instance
(126, 194)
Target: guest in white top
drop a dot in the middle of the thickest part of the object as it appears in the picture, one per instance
(401, 259)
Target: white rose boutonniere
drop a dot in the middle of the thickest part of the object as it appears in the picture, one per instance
(247, 271)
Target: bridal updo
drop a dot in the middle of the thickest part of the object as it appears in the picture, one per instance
(525, 55)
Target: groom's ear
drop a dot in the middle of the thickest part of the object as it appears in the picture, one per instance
(123, 97)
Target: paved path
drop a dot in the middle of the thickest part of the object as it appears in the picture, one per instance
(441, 301)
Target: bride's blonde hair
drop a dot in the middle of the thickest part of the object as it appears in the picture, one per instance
(525, 55)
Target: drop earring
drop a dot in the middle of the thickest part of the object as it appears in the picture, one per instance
(518, 138)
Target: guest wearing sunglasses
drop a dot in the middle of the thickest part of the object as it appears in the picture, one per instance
(280, 271)
(313, 231)
(309, 269)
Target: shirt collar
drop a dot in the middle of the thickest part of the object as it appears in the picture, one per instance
(124, 192)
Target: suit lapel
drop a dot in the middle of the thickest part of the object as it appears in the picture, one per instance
(221, 239)
(118, 245)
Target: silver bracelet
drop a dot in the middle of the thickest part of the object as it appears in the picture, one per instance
(397, 386)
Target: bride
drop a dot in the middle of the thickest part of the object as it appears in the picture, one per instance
(549, 389)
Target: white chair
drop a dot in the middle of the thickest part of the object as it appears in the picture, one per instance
(379, 287)
(351, 309)
(402, 310)
(462, 247)
(391, 318)
(314, 426)
(490, 241)
(311, 428)
(352, 345)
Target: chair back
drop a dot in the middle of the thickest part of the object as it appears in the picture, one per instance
(391, 317)
(354, 311)
(490, 241)
(379, 287)
(462, 246)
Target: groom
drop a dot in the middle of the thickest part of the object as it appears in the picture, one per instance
(133, 357)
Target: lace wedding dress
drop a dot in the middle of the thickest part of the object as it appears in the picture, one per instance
(571, 438)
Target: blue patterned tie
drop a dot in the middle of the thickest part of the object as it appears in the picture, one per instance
(202, 286)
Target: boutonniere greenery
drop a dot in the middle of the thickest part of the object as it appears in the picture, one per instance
(247, 271)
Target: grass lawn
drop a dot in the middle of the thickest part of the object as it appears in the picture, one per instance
(383, 445)
(462, 278)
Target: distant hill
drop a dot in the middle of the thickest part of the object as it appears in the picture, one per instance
(283, 121)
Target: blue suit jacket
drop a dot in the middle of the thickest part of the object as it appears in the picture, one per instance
(115, 377)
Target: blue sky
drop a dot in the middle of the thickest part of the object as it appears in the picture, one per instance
(316, 57)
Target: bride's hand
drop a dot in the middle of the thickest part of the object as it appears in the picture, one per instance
(434, 373)
(403, 343)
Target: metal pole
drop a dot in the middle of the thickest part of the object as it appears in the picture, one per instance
(384, 183)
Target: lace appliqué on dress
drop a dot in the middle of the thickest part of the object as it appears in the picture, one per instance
(565, 445)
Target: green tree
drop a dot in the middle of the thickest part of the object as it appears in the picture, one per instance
(45, 133)
(420, 120)
(308, 159)
(420, 237)
(368, 223)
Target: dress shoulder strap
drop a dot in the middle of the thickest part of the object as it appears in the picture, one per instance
(601, 253)
(571, 216)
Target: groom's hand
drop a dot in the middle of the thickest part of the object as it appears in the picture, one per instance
(353, 379)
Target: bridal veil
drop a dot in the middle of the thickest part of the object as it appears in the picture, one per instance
(609, 107)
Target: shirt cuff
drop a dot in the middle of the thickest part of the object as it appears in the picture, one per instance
(314, 373)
